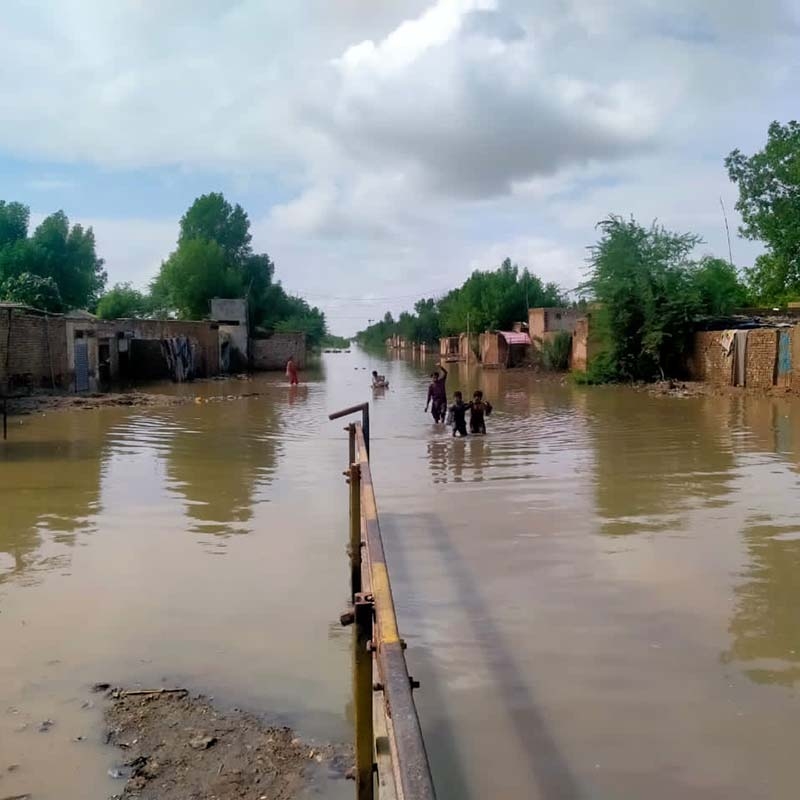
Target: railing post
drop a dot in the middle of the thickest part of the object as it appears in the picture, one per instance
(351, 429)
(362, 695)
(355, 529)
(365, 425)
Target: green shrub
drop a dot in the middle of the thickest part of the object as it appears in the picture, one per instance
(556, 352)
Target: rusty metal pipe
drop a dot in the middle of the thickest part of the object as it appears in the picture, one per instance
(362, 696)
(364, 409)
(354, 547)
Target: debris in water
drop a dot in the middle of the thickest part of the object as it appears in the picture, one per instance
(101, 687)
(46, 725)
(119, 774)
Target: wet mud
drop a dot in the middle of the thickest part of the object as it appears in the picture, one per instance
(174, 746)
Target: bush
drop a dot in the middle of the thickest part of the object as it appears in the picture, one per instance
(556, 352)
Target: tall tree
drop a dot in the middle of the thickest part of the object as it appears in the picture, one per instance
(197, 271)
(769, 202)
(213, 219)
(65, 254)
(214, 258)
(14, 220)
(643, 280)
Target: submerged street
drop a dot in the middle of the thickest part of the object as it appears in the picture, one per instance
(599, 597)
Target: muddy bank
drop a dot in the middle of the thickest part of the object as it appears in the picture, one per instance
(674, 388)
(38, 403)
(173, 746)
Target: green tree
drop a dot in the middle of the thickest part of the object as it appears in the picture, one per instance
(65, 254)
(495, 300)
(14, 220)
(32, 290)
(428, 326)
(214, 258)
(213, 219)
(68, 256)
(769, 202)
(643, 280)
(719, 287)
(122, 301)
(197, 271)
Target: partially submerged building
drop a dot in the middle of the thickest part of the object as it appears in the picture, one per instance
(546, 323)
(103, 353)
(230, 314)
(455, 348)
(80, 353)
(504, 348)
(757, 352)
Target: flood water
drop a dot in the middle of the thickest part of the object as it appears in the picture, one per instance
(601, 597)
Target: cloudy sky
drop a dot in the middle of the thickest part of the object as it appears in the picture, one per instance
(385, 148)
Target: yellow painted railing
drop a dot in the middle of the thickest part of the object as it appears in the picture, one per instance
(390, 751)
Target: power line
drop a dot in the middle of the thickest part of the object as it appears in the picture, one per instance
(389, 298)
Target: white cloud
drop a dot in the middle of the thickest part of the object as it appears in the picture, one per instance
(133, 249)
(416, 139)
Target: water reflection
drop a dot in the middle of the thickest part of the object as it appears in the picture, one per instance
(50, 488)
(458, 460)
(655, 458)
(766, 624)
(221, 455)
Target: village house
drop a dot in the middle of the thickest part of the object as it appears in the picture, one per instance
(456, 349)
(504, 348)
(78, 352)
(757, 352)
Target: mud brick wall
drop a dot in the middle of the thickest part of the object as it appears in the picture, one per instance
(273, 353)
(708, 361)
(762, 358)
(579, 360)
(29, 357)
(205, 336)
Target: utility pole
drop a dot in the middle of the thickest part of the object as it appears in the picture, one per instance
(469, 345)
(727, 231)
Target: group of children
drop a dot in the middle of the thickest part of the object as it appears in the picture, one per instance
(456, 415)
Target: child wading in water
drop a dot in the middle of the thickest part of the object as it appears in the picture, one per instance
(291, 371)
(459, 412)
(480, 409)
(437, 395)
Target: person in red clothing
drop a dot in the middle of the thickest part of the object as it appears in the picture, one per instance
(291, 371)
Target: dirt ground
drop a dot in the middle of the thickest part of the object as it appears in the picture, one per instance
(174, 746)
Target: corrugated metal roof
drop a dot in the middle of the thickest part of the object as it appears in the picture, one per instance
(512, 337)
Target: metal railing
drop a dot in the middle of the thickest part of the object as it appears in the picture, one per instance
(389, 748)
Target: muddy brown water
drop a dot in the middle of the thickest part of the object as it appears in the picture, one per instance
(601, 597)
